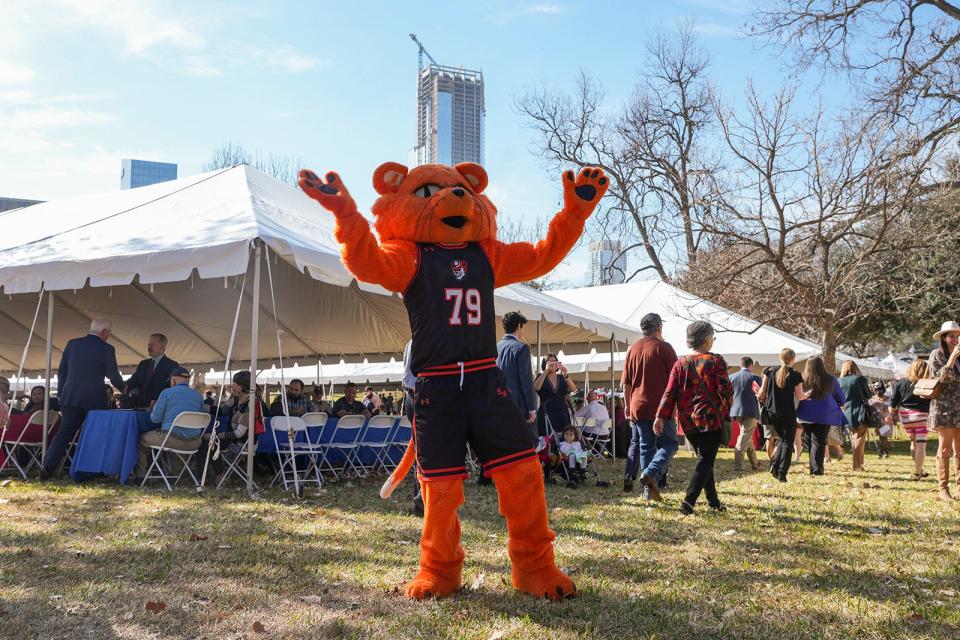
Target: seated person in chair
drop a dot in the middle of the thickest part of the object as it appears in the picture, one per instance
(573, 455)
(177, 398)
(348, 405)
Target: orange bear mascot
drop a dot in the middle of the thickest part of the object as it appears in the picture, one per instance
(438, 247)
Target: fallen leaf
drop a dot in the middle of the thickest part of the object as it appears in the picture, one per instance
(496, 635)
(478, 581)
(947, 592)
(128, 615)
(195, 538)
(5, 482)
(224, 546)
(4, 501)
(155, 607)
(875, 531)
(259, 628)
(729, 532)
(313, 599)
(729, 613)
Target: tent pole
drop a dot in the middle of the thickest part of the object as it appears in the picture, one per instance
(46, 399)
(539, 355)
(613, 402)
(254, 402)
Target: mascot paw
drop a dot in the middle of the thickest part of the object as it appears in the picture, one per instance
(581, 193)
(430, 585)
(550, 583)
(331, 193)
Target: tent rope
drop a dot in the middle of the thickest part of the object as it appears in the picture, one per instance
(23, 361)
(283, 384)
(214, 446)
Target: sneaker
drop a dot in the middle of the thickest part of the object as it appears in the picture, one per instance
(627, 485)
(719, 507)
(686, 509)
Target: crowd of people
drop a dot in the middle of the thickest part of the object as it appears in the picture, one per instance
(665, 396)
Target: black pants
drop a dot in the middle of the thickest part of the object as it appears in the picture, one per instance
(408, 411)
(786, 430)
(815, 437)
(706, 444)
(71, 419)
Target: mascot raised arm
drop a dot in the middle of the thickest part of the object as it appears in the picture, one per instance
(437, 245)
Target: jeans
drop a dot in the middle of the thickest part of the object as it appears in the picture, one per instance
(71, 419)
(786, 431)
(650, 454)
(815, 437)
(706, 444)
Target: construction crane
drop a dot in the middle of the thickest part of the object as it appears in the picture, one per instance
(421, 52)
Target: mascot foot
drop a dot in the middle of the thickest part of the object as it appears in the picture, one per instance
(427, 584)
(530, 542)
(549, 582)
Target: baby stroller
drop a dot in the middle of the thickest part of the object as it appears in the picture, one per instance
(575, 464)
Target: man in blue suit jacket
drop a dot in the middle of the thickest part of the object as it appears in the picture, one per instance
(745, 410)
(513, 359)
(85, 363)
(152, 376)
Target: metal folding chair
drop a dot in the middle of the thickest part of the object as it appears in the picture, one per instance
(289, 449)
(343, 443)
(28, 443)
(187, 420)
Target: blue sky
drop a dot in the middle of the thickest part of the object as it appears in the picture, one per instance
(84, 83)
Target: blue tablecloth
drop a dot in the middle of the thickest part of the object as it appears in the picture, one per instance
(108, 444)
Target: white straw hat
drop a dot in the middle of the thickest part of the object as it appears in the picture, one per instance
(947, 327)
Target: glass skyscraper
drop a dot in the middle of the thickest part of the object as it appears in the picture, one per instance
(608, 263)
(450, 114)
(140, 173)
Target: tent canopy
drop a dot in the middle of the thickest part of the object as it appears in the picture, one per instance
(736, 335)
(172, 258)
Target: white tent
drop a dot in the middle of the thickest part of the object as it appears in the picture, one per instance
(185, 258)
(737, 335)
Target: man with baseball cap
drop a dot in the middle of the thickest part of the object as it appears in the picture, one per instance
(646, 371)
(176, 398)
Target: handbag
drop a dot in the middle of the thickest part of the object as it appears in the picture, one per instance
(928, 388)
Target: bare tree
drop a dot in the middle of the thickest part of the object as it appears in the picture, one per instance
(230, 154)
(806, 215)
(652, 149)
(902, 56)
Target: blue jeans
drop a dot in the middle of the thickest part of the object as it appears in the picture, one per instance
(650, 454)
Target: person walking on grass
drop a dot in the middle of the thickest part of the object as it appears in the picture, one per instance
(746, 411)
(912, 412)
(821, 408)
(885, 415)
(856, 409)
(700, 392)
(780, 392)
(944, 418)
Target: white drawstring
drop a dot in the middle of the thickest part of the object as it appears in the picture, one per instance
(461, 375)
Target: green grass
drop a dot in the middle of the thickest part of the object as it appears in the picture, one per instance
(786, 561)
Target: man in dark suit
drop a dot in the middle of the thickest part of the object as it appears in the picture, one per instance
(745, 410)
(153, 374)
(513, 359)
(85, 363)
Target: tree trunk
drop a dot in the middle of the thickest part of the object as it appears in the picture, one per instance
(828, 342)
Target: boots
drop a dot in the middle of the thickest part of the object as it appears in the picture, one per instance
(441, 556)
(943, 479)
(956, 471)
(752, 456)
(737, 460)
(530, 543)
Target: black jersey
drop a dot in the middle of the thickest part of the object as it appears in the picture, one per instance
(450, 304)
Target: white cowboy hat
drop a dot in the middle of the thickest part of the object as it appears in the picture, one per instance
(947, 327)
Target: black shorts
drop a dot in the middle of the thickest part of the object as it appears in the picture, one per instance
(447, 417)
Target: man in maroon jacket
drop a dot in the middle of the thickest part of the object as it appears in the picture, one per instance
(645, 374)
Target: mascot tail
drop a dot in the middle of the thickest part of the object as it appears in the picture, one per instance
(400, 472)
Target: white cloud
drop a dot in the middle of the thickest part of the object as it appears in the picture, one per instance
(44, 117)
(14, 74)
(139, 23)
(281, 58)
(718, 30)
(522, 11)
(200, 67)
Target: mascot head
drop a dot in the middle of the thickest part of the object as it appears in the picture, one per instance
(433, 203)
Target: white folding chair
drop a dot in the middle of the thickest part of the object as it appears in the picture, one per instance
(579, 422)
(398, 442)
(319, 433)
(190, 421)
(237, 466)
(32, 447)
(598, 436)
(289, 449)
(375, 440)
(343, 440)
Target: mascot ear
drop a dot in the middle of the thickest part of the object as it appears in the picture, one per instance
(475, 175)
(388, 176)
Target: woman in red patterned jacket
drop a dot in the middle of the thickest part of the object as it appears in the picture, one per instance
(700, 391)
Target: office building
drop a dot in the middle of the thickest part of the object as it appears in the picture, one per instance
(608, 263)
(140, 173)
(6, 204)
(450, 115)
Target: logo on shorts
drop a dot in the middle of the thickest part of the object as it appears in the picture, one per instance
(503, 393)
(459, 268)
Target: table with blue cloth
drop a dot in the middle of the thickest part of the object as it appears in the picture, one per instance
(108, 444)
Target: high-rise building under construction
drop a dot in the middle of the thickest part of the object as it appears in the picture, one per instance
(450, 114)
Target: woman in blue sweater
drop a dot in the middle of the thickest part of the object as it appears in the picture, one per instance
(822, 408)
